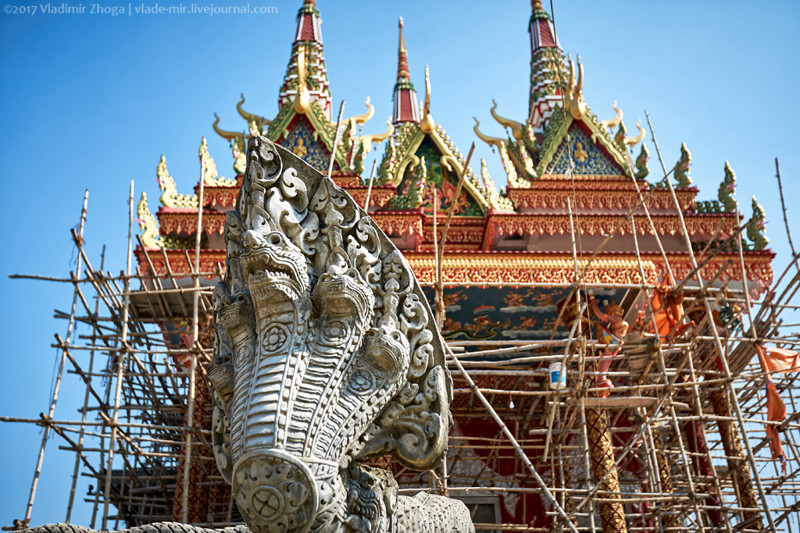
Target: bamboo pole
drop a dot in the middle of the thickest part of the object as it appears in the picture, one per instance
(57, 387)
(783, 208)
(120, 363)
(336, 137)
(369, 187)
(189, 421)
(456, 194)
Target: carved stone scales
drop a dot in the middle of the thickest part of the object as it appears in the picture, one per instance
(326, 355)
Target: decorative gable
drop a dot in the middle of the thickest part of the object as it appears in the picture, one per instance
(302, 139)
(588, 157)
(430, 182)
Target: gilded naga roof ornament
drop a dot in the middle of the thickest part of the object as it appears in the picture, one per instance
(360, 120)
(517, 128)
(252, 128)
(148, 224)
(682, 168)
(508, 165)
(633, 141)
(302, 102)
(232, 136)
(239, 158)
(251, 118)
(236, 140)
(368, 140)
(613, 122)
(427, 124)
(573, 98)
(491, 141)
(208, 170)
(493, 196)
(169, 192)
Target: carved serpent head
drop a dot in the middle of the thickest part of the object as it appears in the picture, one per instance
(326, 354)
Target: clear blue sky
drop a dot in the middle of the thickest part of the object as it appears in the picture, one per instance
(93, 101)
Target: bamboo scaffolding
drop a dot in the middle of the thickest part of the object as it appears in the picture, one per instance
(138, 428)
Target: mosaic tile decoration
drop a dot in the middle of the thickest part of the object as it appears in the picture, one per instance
(589, 158)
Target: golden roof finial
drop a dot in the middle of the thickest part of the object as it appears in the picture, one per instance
(147, 223)
(249, 117)
(302, 102)
(517, 128)
(233, 136)
(536, 4)
(491, 141)
(427, 124)
(613, 122)
(364, 118)
(633, 141)
(368, 140)
(209, 167)
(573, 98)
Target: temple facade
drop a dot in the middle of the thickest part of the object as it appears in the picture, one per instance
(574, 249)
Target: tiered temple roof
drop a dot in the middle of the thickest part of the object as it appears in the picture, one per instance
(565, 168)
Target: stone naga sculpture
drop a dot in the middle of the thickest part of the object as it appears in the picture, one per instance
(326, 355)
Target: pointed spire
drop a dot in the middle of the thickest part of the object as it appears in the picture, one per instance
(547, 62)
(402, 56)
(406, 106)
(308, 23)
(308, 38)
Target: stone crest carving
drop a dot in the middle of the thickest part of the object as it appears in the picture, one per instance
(326, 355)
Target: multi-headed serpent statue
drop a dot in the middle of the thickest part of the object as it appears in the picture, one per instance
(326, 354)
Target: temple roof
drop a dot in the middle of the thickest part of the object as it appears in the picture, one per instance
(562, 160)
(421, 157)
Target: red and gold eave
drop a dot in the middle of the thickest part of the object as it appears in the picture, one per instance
(471, 256)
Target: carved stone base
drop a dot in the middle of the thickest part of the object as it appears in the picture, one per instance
(425, 513)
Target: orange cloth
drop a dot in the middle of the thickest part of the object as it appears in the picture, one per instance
(780, 360)
(776, 409)
(667, 309)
